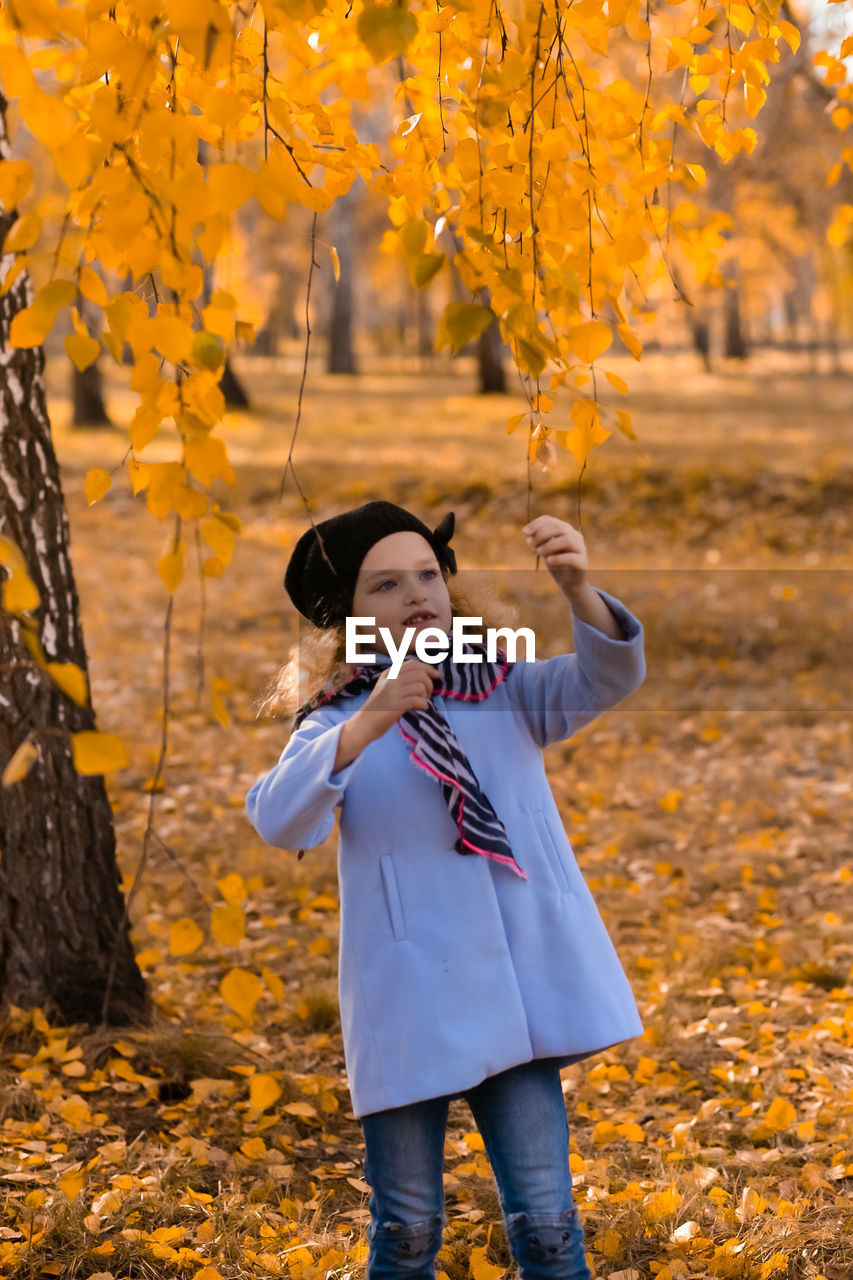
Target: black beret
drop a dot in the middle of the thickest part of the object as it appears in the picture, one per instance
(322, 586)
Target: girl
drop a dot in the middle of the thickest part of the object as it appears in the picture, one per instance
(475, 976)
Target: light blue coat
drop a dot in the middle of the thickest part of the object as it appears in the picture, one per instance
(451, 967)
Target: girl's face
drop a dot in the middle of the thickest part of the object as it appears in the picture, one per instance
(398, 597)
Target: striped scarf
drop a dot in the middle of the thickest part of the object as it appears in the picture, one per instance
(434, 746)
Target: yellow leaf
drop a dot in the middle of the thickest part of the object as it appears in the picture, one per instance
(386, 30)
(755, 98)
(461, 322)
(531, 357)
(336, 263)
(92, 287)
(275, 986)
(841, 118)
(71, 679)
(697, 173)
(48, 119)
(229, 186)
(423, 269)
(669, 802)
(413, 236)
(631, 341)
(219, 535)
(172, 336)
(140, 473)
(82, 349)
(590, 340)
(219, 708)
(254, 1148)
(184, 937)
(98, 481)
(94, 752)
(661, 1203)
(241, 990)
(22, 234)
(512, 423)
(20, 763)
(171, 568)
(630, 247)
(218, 322)
(780, 1114)
(30, 327)
(72, 1182)
(303, 1109)
(632, 1131)
(623, 421)
(232, 887)
(479, 1268)
(207, 458)
(619, 383)
(264, 1090)
(16, 178)
(587, 431)
(228, 923)
(19, 592)
(603, 1133)
(209, 350)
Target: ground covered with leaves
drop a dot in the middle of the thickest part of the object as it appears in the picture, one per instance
(712, 815)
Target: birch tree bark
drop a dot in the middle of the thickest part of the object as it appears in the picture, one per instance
(62, 918)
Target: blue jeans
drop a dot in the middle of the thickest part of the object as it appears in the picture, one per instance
(521, 1116)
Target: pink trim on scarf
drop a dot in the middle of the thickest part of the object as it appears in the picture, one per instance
(495, 857)
(477, 697)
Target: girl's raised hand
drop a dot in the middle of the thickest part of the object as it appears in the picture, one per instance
(563, 549)
(390, 698)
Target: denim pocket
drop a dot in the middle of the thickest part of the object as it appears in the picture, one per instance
(393, 902)
(555, 858)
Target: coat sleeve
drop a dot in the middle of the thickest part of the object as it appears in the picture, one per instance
(559, 695)
(292, 805)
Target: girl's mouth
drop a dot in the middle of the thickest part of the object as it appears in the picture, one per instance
(418, 619)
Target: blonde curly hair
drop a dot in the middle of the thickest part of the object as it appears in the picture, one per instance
(317, 659)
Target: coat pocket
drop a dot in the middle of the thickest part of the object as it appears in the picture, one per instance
(555, 858)
(393, 902)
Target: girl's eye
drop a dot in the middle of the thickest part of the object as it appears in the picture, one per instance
(432, 573)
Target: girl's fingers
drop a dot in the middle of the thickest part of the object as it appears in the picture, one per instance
(558, 542)
(543, 521)
(577, 562)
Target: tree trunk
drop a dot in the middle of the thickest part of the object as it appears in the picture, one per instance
(426, 329)
(87, 387)
(61, 907)
(232, 388)
(87, 396)
(236, 396)
(701, 335)
(341, 357)
(490, 349)
(734, 343)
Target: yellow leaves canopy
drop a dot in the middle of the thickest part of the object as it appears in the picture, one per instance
(163, 129)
